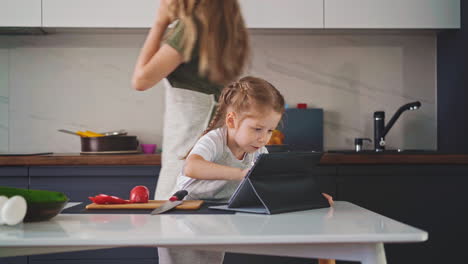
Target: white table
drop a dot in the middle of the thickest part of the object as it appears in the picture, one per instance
(345, 232)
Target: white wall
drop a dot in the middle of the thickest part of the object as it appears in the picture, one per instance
(352, 75)
(82, 82)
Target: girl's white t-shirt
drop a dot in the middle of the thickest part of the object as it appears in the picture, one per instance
(213, 147)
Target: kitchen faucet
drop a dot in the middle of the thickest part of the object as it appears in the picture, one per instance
(380, 130)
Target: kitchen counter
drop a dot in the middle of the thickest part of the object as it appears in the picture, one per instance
(70, 159)
(75, 159)
(393, 158)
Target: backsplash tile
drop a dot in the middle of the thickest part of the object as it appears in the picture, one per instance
(352, 75)
(82, 82)
(76, 85)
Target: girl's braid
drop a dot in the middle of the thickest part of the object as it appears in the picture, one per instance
(225, 99)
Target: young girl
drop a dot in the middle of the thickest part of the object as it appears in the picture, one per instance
(249, 110)
(206, 49)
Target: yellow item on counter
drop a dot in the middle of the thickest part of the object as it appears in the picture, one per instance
(94, 134)
(88, 133)
(81, 133)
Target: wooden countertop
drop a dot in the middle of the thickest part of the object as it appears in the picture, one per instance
(72, 159)
(396, 158)
(75, 159)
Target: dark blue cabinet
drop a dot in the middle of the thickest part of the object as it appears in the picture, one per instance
(111, 256)
(14, 260)
(14, 177)
(430, 197)
(93, 261)
(80, 182)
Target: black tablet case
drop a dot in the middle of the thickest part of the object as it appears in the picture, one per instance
(278, 183)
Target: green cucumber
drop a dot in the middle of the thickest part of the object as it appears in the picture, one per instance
(34, 196)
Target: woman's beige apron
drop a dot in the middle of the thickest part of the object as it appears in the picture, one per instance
(187, 114)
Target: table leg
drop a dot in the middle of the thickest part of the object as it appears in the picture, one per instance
(375, 254)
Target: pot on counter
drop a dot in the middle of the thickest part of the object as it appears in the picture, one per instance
(115, 142)
(109, 145)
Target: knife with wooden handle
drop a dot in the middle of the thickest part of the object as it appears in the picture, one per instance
(174, 201)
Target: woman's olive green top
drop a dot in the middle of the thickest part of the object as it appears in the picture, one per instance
(186, 75)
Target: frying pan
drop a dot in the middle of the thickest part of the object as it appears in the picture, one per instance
(116, 142)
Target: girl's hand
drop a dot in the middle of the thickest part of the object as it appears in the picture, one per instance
(244, 173)
(329, 198)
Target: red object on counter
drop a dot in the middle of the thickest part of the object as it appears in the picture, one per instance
(117, 200)
(139, 194)
(107, 199)
(302, 106)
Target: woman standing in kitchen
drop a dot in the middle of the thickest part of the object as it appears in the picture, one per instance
(207, 48)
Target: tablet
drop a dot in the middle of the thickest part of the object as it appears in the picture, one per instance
(279, 182)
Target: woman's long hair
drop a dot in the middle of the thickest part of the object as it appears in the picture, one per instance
(219, 29)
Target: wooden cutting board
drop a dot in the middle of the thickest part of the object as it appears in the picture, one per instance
(152, 204)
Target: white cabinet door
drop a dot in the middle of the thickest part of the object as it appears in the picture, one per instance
(283, 13)
(392, 14)
(99, 13)
(141, 13)
(20, 13)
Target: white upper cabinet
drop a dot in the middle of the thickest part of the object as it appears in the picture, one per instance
(398, 14)
(20, 13)
(141, 13)
(99, 13)
(328, 14)
(282, 13)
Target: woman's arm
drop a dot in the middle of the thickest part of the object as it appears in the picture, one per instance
(155, 62)
(198, 168)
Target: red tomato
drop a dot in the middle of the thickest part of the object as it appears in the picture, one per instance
(139, 194)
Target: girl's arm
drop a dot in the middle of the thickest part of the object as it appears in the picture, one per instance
(198, 168)
(155, 62)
